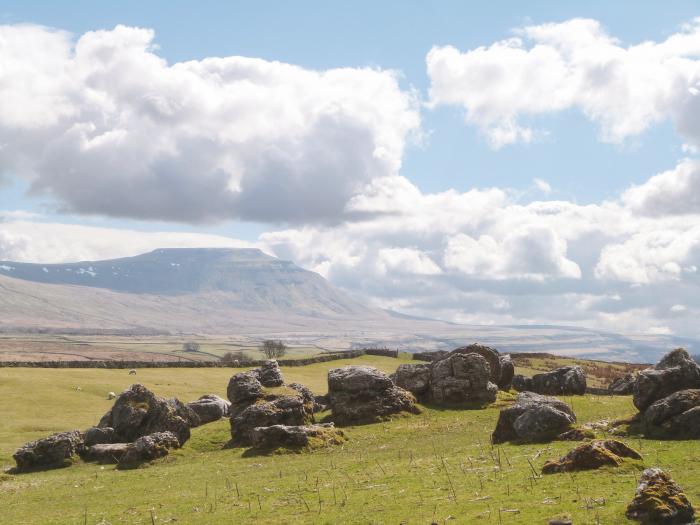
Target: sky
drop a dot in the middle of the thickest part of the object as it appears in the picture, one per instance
(497, 164)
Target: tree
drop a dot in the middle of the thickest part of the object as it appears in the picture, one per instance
(234, 358)
(273, 349)
(190, 346)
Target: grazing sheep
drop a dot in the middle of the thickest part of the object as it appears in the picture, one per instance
(111, 395)
(132, 372)
(78, 389)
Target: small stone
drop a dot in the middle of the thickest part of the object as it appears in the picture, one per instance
(148, 448)
(296, 437)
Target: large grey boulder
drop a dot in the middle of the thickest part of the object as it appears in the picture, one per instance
(54, 451)
(533, 418)
(148, 448)
(105, 452)
(362, 394)
(139, 412)
(277, 436)
(490, 354)
(676, 415)
(676, 371)
(270, 410)
(413, 377)
(567, 380)
(243, 388)
(210, 407)
(461, 379)
(507, 372)
(659, 500)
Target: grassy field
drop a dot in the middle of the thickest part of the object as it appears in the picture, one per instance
(435, 467)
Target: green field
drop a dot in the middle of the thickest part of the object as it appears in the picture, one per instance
(435, 467)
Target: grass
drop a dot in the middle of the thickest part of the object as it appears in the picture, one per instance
(434, 467)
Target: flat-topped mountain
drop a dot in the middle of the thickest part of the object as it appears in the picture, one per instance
(251, 278)
(215, 290)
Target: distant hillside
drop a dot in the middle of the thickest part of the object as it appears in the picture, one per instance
(216, 290)
(246, 293)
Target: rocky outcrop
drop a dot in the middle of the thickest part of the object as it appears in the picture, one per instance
(139, 412)
(243, 388)
(659, 500)
(148, 448)
(362, 394)
(296, 437)
(533, 418)
(210, 408)
(622, 386)
(413, 377)
(507, 372)
(676, 415)
(676, 371)
(592, 455)
(566, 381)
(461, 379)
(54, 451)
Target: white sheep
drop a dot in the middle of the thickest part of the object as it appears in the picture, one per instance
(78, 389)
(111, 395)
(132, 372)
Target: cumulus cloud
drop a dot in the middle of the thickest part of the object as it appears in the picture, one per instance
(106, 126)
(673, 192)
(552, 67)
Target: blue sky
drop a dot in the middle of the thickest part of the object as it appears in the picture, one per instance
(397, 35)
(512, 275)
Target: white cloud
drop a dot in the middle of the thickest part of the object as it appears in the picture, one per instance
(574, 64)
(106, 126)
(27, 241)
(673, 192)
(543, 186)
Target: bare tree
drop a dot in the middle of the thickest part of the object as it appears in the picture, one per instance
(273, 349)
(190, 346)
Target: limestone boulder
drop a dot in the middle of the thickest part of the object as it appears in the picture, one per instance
(676, 415)
(147, 448)
(522, 383)
(363, 394)
(99, 435)
(54, 451)
(413, 377)
(462, 379)
(566, 381)
(659, 500)
(622, 386)
(295, 437)
(533, 418)
(592, 455)
(676, 371)
(269, 374)
(210, 407)
(105, 452)
(507, 372)
(243, 388)
(139, 412)
(289, 409)
(490, 354)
